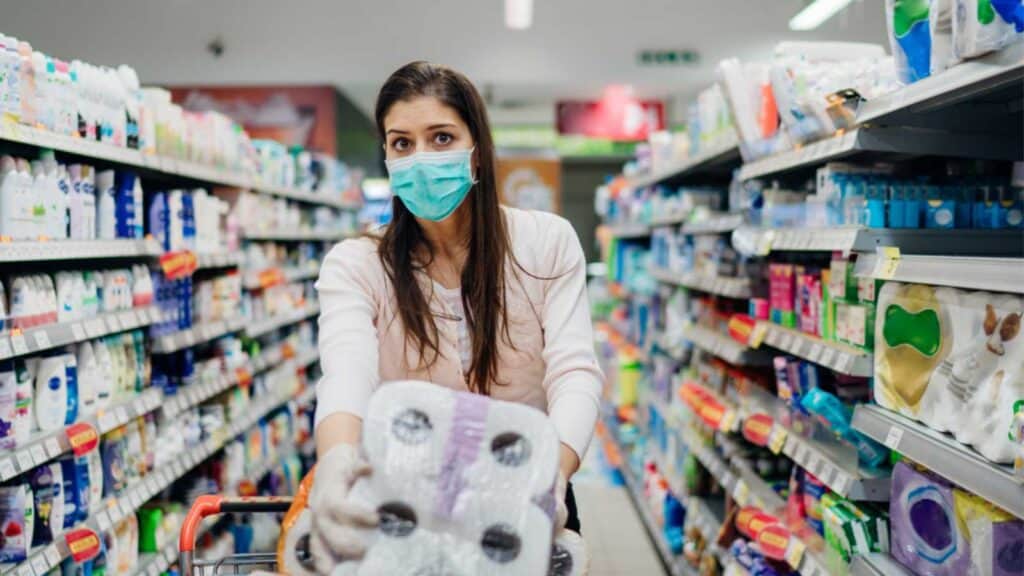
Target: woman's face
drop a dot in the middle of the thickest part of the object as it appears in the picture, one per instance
(423, 124)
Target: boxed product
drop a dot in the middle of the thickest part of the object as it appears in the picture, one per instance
(951, 359)
(855, 324)
(852, 529)
(782, 293)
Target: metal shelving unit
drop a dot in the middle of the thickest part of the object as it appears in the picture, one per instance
(718, 159)
(262, 327)
(725, 347)
(833, 355)
(15, 343)
(995, 274)
(253, 280)
(213, 175)
(838, 471)
(630, 231)
(931, 242)
(721, 285)
(219, 260)
(296, 236)
(943, 455)
(663, 221)
(714, 224)
(197, 334)
(58, 250)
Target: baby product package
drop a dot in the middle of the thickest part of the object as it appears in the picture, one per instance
(952, 359)
(981, 26)
(920, 35)
(463, 485)
(938, 529)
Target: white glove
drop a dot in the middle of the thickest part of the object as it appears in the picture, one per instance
(335, 522)
(569, 555)
(561, 512)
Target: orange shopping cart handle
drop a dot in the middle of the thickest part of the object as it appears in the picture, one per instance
(212, 504)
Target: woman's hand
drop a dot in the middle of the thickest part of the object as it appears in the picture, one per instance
(334, 534)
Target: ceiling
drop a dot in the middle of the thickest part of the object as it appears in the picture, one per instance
(574, 48)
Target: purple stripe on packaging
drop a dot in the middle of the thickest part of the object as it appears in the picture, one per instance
(462, 448)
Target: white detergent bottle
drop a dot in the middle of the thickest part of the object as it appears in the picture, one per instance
(53, 223)
(51, 394)
(40, 195)
(9, 196)
(106, 217)
(49, 299)
(76, 206)
(25, 221)
(20, 301)
(88, 203)
(105, 374)
(34, 302)
(67, 306)
(64, 185)
(71, 376)
(80, 296)
(87, 373)
(140, 209)
(25, 416)
(175, 220)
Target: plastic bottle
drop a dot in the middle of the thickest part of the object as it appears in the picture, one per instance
(71, 377)
(10, 181)
(43, 110)
(88, 203)
(49, 292)
(12, 79)
(67, 307)
(62, 221)
(24, 204)
(4, 320)
(105, 373)
(24, 395)
(78, 292)
(158, 220)
(133, 104)
(27, 83)
(51, 399)
(188, 222)
(138, 209)
(175, 221)
(20, 301)
(76, 203)
(87, 375)
(106, 218)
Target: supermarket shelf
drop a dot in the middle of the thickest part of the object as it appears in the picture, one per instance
(991, 243)
(57, 250)
(833, 355)
(256, 329)
(708, 517)
(630, 231)
(42, 559)
(995, 274)
(668, 220)
(725, 347)
(25, 135)
(943, 455)
(724, 286)
(296, 236)
(715, 224)
(877, 565)
(219, 260)
(969, 95)
(198, 334)
(889, 140)
(258, 280)
(15, 343)
(839, 472)
(717, 159)
(673, 565)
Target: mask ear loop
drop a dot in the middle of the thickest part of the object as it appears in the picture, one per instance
(472, 161)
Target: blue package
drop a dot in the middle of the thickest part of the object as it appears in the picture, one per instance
(1013, 208)
(159, 220)
(962, 196)
(47, 494)
(188, 221)
(838, 417)
(915, 207)
(675, 517)
(897, 206)
(124, 204)
(875, 206)
(71, 381)
(76, 489)
(940, 213)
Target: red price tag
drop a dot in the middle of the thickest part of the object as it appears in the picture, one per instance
(83, 543)
(774, 541)
(243, 376)
(757, 429)
(82, 437)
(179, 264)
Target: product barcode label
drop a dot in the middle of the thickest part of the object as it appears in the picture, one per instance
(38, 453)
(892, 439)
(42, 339)
(5, 348)
(18, 344)
(103, 521)
(25, 461)
(52, 555)
(7, 469)
(53, 447)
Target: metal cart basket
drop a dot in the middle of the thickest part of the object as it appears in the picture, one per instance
(212, 505)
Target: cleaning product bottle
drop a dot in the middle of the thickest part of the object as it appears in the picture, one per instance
(64, 184)
(24, 392)
(27, 83)
(138, 210)
(43, 111)
(9, 196)
(51, 401)
(49, 292)
(176, 221)
(87, 379)
(20, 301)
(124, 207)
(88, 202)
(158, 220)
(67, 306)
(106, 218)
(105, 372)
(71, 378)
(188, 222)
(76, 205)
(90, 295)
(40, 197)
(25, 202)
(8, 406)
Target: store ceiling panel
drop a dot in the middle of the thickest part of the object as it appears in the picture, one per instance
(573, 49)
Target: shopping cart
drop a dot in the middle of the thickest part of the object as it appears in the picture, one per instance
(212, 505)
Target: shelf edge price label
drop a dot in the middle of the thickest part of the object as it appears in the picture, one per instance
(18, 342)
(777, 439)
(892, 439)
(42, 339)
(887, 262)
(741, 493)
(795, 553)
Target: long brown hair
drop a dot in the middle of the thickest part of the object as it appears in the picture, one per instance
(483, 277)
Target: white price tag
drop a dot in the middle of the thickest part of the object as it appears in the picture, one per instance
(892, 439)
(103, 521)
(828, 357)
(53, 555)
(53, 447)
(126, 507)
(25, 461)
(78, 332)
(841, 483)
(115, 512)
(113, 324)
(816, 351)
(42, 339)
(108, 421)
(18, 344)
(39, 564)
(153, 570)
(95, 328)
(25, 569)
(138, 499)
(5, 348)
(741, 493)
(38, 454)
(127, 319)
(7, 469)
(139, 406)
(151, 485)
(122, 414)
(847, 363)
(786, 341)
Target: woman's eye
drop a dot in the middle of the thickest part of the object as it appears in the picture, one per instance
(443, 139)
(400, 144)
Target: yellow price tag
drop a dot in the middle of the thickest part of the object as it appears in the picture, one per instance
(741, 493)
(757, 334)
(887, 263)
(795, 552)
(777, 440)
(728, 422)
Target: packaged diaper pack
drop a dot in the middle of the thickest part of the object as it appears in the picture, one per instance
(920, 35)
(940, 530)
(463, 484)
(952, 359)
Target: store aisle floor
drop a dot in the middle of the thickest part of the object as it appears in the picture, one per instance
(615, 535)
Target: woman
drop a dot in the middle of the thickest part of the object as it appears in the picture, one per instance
(457, 290)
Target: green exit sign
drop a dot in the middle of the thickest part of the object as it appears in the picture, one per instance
(667, 57)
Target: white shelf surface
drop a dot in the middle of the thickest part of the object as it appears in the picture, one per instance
(994, 274)
(44, 558)
(724, 347)
(944, 456)
(259, 328)
(714, 224)
(197, 334)
(890, 140)
(663, 221)
(295, 274)
(839, 472)
(726, 152)
(630, 230)
(214, 175)
(15, 343)
(219, 260)
(296, 236)
(55, 250)
(836, 356)
(877, 565)
(721, 285)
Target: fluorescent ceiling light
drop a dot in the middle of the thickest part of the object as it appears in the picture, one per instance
(518, 14)
(815, 13)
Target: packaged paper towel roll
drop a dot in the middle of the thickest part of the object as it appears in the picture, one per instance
(568, 555)
(17, 522)
(406, 427)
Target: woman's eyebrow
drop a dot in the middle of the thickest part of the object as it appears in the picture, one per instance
(396, 131)
(437, 126)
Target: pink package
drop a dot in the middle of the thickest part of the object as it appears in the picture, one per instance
(809, 302)
(782, 287)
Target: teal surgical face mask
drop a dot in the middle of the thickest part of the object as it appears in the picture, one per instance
(432, 184)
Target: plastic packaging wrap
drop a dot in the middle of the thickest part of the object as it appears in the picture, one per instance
(981, 26)
(920, 35)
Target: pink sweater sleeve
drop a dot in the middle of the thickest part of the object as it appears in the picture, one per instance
(348, 345)
(573, 379)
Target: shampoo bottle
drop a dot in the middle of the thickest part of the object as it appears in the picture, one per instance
(25, 418)
(71, 378)
(9, 196)
(106, 218)
(105, 372)
(87, 373)
(51, 393)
